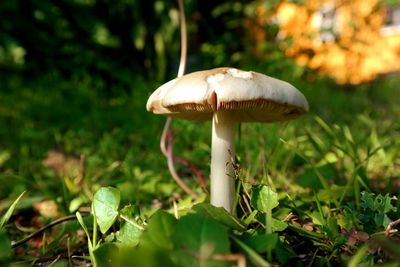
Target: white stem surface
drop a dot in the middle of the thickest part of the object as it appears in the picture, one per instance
(222, 156)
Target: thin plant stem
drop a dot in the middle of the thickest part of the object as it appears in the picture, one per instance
(165, 133)
(69, 252)
(236, 198)
(268, 216)
(94, 228)
(175, 174)
(166, 149)
(138, 226)
(182, 63)
(165, 143)
(41, 230)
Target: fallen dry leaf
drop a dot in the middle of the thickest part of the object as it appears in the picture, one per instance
(47, 208)
(62, 164)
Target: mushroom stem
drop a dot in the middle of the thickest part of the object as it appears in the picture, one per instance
(222, 153)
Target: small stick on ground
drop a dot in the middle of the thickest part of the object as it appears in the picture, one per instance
(15, 244)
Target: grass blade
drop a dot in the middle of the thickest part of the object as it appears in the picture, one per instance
(358, 257)
(254, 256)
(4, 219)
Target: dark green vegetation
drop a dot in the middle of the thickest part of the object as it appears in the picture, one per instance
(317, 191)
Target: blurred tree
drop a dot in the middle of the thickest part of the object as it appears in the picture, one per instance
(110, 40)
(351, 40)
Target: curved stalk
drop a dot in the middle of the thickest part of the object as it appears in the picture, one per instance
(167, 151)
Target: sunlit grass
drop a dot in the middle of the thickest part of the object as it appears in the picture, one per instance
(326, 167)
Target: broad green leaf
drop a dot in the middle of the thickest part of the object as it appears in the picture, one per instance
(278, 225)
(263, 198)
(107, 255)
(317, 218)
(219, 214)
(105, 207)
(145, 257)
(5, 247)
(159, 231)
(197, 238)
(4, 219)
(262, 242)
(381, 219)
(129, 234)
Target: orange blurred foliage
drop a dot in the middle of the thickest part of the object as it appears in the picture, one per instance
(351, 40)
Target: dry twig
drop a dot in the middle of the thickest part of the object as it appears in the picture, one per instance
(389, 230)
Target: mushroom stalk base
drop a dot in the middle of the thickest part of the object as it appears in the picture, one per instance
(222, 156)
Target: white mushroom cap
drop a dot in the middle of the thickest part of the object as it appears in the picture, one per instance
(247, 95)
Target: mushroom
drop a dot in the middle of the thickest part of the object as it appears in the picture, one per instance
(227, 96)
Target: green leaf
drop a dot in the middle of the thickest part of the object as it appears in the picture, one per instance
(5, 248)
(367, 202)
(159, 231)
(145, 257)
(129, 234)
(263, 198)
(107, 255)
(385, 203)
(251, 217)
(317, 218)
(331, 228)
(197, 238)
(358, 257)
(326, 127)
(379, 219)
(83, 225)
(4, 219)
(278, 225)
(131, 211)
(332, 193)
(219, 214)
(105, 207)
(262, 243)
